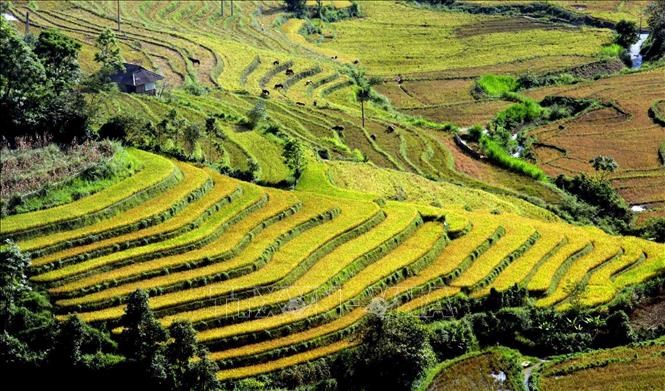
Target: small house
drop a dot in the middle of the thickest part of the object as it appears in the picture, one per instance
(136, 79)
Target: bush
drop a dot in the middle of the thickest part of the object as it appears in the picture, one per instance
(119, 127)
(451, 339)
(498, 155)
(627, 33)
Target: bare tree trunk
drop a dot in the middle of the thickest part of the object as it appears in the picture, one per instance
(231, 7)
(27, 23)
(362, 111)
(118, 15)
(221, 4)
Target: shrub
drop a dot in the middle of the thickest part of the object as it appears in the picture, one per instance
(451, 339)
(627, 33)
(498, 155)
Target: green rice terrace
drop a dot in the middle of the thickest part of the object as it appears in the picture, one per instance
(333, 195)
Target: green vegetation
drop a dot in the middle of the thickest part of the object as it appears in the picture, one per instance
(496, 86)
(497, 154)
(88, 181)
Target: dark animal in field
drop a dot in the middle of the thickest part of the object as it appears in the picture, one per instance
(314, 103)
(265, 93)
(338, 128)
(300, 103)
(289, 72)
(195, 61)
(561, 127)
(356, 61)
(276, 62)
(390, 129)
(308, 82)
(334, 57)
(279, 85)
(372, 136)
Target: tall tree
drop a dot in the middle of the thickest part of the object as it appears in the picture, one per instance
(394, 350)
(363, 93)
(13, 281)
(59, 55)
(654, 47)
(22, 79)
(67, 350)
(109, 53)
(142, 334)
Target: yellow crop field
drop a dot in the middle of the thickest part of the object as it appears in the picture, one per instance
(193, 179)
(301, 170)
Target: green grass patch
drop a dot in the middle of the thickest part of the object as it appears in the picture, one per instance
(498, 155)
(497, 85)
(90, 181)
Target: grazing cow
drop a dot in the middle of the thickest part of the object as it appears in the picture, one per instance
(279, 85)
(195, 61)
(390, 129)
(300, 103)
(338, 128)
(372, 136)
(308, 82)
(265, 93)
(356, 61)
(289, 72)
(276, 62)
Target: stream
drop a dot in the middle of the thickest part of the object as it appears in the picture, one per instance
(635, 56)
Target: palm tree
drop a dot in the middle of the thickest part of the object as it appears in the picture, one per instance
(363, 94)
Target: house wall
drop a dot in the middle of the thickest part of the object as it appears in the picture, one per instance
(150, 86)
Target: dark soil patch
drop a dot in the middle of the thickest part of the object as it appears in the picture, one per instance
(649, 315)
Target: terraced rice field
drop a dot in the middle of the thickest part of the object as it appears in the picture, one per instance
(638, 367)
(489, 370)
(239, 54)
(624, 131)
(271, 278)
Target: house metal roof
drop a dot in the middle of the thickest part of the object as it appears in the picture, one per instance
(135, 75)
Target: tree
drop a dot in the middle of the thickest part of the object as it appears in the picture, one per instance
(654, 46)
(182, 347)
(192, 135)
(451, 339)
(604, 165)
(203, 374)
(109, 53)
(627, 33)
(294, 157)
(298, 7)
(67, 350)
(142, 334)
(256, 114)
(13, 280)
(394, 350)
(22, 77)
(363, 94)
(59, 56)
